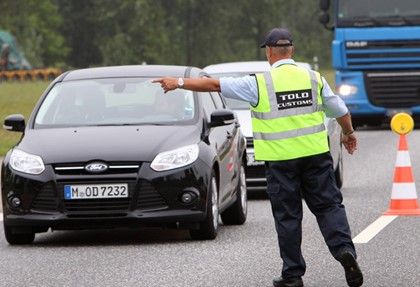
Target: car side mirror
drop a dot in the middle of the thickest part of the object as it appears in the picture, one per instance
(14, 123)
(222, 118)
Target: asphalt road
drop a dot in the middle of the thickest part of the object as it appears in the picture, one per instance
(242, 255)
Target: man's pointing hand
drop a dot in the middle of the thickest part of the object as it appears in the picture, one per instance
(167, 84)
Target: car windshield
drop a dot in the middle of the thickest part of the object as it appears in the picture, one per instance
(114, 101)
(233, 103)
(378, 13)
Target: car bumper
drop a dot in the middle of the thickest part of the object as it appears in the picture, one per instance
(59, 221)
(254, 170)
(154, 199)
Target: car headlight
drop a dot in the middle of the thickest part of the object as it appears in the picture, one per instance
(346, 90)
(175, 158)
(25, 162)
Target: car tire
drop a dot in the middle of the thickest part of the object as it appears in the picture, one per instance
(236, 214)
(18, 238)
(339, 172)
(208, 228)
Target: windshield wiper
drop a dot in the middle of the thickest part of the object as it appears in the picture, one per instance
(395, 20)
(363, 21)
(128, 124)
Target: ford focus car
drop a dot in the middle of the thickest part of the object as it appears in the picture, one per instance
(255, 170)
(105, 147)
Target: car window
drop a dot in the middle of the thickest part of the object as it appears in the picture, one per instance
(234, 104)
(218, 100)
(208, 104)
(119, 101)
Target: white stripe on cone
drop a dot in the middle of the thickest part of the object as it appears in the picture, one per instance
(403, 159)
(404, 190)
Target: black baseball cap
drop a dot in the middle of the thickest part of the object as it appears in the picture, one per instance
(278, 37)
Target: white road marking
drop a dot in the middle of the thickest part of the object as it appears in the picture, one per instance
(372, 230)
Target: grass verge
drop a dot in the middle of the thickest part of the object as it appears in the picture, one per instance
(17, 98)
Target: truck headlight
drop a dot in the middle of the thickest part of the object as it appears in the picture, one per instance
(25, 162)
(175, 158)
(346, 90)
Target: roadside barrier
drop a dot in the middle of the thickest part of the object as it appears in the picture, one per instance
(403, 196)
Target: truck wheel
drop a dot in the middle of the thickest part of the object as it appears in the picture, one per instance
(208, 228)
(236, 214)
(18, 238)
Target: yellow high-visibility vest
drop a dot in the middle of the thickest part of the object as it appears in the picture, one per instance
(288, 121)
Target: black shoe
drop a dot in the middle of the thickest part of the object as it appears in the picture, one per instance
(288, 282)
(354, 276)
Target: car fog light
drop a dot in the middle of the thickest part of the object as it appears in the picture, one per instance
(188, 197)
(15, 202)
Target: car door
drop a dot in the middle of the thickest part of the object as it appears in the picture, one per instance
(229, 178)
(220, 141)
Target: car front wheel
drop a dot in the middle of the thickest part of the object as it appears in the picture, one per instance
(208, 228)
(15, 238)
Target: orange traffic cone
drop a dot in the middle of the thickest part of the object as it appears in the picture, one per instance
(403, 197)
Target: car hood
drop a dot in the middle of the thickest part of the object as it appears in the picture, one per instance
(244, 118)
(122, 143)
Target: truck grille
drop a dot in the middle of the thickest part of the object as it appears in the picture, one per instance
(393, 89)
(384, 54)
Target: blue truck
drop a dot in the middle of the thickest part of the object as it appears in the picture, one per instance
(376, 56)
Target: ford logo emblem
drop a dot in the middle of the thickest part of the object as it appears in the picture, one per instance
(96, 167)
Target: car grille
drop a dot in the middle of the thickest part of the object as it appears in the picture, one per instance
(98, 207)
(257, 171)
(149, 198)
(249, 142)
(46, 199)
(393, 89)
(87, 206)
(114, 168)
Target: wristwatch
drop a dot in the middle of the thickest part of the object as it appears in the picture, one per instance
(348, 133)
(180, 83)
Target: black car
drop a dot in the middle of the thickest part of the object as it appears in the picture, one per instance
(105, 147)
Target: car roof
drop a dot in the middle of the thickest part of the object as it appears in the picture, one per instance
(152, 71)
(244, 67)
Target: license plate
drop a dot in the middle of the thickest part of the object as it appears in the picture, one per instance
(251, 160)
(91, 191)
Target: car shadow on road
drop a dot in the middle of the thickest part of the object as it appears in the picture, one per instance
(140, 236)
(121, 237)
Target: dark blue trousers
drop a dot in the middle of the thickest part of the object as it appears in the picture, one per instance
(313, 179)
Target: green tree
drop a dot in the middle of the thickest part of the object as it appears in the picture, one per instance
(35, 25)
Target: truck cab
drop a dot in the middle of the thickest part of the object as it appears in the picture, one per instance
(376, 56)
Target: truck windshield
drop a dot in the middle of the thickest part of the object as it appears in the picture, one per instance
(360, 13)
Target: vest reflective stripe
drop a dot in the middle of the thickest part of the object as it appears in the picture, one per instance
(290, 133)
(281, 130)
(275, 113)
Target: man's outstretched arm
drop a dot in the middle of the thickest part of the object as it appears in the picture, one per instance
(193, 84)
